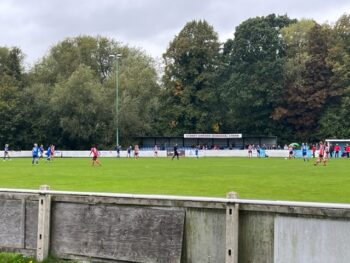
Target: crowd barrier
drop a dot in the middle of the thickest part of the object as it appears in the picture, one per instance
(187, 153)
(244, 153)
(86, 154)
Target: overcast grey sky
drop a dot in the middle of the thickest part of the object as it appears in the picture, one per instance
(36, 25)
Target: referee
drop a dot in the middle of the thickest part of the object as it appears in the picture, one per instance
(176, 153)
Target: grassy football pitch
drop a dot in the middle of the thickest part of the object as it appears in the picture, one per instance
(269, 178)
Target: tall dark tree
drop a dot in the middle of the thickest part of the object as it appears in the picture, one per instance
(305, 101)
(189, 97)
(254, 74)
(296, 40)
(12, 112)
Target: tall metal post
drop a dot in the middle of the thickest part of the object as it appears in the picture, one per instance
(116, 57)
(117, 98)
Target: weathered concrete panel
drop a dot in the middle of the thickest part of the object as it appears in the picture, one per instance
(141, 229)
(135, 234)
(311, 240)
(205, 236)
(31, 225)
(256, 237)
(11, 223)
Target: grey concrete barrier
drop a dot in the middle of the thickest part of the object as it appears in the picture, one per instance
(106, 227)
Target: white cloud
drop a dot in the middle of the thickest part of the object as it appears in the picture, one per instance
(36, 25)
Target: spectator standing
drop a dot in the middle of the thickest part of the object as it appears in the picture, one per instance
(337, 150)
(347, 150)
(331, 150)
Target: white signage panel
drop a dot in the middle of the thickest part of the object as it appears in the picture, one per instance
(213, 136)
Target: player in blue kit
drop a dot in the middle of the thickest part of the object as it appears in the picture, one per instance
(48, 154)
(35, 154)
(304, 149)
(41, 151)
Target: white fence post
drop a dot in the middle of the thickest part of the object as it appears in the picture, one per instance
(43, 238)
(232, 215)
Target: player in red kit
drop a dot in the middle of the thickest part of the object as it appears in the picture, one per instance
(321, 155)
(95, 154)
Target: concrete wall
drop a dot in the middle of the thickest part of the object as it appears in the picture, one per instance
(141, 228)
(311, 240)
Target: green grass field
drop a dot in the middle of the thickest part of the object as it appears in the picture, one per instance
(270, 178)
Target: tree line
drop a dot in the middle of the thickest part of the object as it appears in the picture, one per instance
(275, 76)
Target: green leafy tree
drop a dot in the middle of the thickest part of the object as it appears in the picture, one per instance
(335, 122)
(9, 110)
(77, 105)
(40, 123)
(339, 54)
(12, 112)
(138, 91)
(66, 56)
(190, 97)
(254, 75)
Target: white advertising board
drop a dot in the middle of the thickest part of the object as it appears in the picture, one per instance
(213, 136)
(188, 153)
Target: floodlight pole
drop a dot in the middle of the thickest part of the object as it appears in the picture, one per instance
(116, 57)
